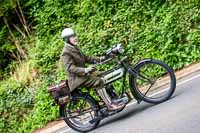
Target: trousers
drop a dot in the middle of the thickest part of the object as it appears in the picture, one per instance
(94, 81)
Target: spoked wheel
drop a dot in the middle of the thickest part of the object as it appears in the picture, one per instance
(79, 112)
(154, 81)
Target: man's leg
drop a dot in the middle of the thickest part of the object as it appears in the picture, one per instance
(96, 82)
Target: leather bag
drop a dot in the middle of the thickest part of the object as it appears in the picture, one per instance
(60, 92)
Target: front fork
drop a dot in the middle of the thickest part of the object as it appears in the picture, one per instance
(132, 72)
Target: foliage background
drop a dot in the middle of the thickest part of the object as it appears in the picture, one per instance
(168, 30)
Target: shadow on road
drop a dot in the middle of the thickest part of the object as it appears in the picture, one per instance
(129, 112)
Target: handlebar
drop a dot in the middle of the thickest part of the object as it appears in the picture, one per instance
(109, 59)
(103, 62)
(117, 49)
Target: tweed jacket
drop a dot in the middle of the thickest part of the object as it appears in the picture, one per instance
(74, 62)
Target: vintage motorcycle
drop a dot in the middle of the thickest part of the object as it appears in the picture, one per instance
(149, 80)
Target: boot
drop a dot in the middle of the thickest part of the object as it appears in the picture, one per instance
(106, 98)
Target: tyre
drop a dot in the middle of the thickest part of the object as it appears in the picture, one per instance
(153, 81)
(79, 112)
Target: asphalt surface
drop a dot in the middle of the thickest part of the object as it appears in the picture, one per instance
(180, 114)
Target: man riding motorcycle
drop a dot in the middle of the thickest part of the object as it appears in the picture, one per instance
(79, 75)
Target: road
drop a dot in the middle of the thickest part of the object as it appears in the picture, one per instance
(180, 114)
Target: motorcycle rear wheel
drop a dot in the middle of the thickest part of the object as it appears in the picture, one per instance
(79, 112)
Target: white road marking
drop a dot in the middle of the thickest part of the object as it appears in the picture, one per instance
(180, 83)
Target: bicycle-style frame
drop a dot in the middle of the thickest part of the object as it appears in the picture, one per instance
(121, 71)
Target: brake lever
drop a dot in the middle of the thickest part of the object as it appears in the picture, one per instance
(103, 62)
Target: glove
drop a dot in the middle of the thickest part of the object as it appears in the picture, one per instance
(89, 70)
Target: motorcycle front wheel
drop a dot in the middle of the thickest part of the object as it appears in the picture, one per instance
(153, 81)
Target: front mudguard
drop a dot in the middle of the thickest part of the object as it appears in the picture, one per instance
(132, 75)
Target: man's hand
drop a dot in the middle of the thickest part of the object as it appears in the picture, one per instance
(89, 70)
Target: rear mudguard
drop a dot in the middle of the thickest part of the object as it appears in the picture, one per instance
(132, 76)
